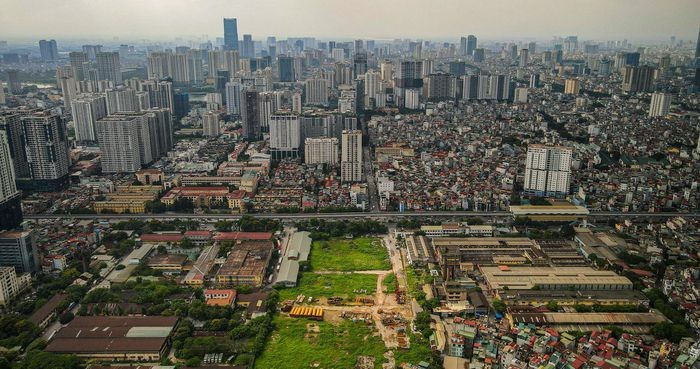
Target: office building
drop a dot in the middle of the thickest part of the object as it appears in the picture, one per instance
(86, 110)
(125, 142)
(547, 171)
(231, 33)
(572, 86)
(285, 136)
(2, 95)
(660, 104)
(11, 284)
(18, 249)
(10, 199)
(250, 115)
(210, 124)
(109, 68)
(248, 50)
(46, 147)
(48, 50)
(471, 44)
(316, 91)
(321, 150)
(351, 156)
(535, 80)
(285, 66)
(479, 55)
(359, 64)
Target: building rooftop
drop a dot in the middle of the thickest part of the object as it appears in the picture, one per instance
(94, 335)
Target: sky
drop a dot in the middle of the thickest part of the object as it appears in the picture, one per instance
(635, 20)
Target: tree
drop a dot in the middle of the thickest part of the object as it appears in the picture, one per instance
(223, 225)
(66, 317)
(43, 360)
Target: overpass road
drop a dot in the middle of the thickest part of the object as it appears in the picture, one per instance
(358, 215)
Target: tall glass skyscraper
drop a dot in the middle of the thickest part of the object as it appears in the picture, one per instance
(230, 34)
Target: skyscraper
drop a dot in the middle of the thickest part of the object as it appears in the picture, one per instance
(660, 104)
(125, 142)
(547, 171)
(479, 55)
(86, 111)
(122, 101)
(10, 199)
(285, 66)
(231, 33)
(109, 68)
(10, 123)
(250, 115)
(351, 156)
(463, 46)
(248, 47)
(440, 86)
(572, 86)
(233, 98)
(471, 44)
(285, 136)
(321, 150)
(524, 57)
(79, 64)
(46, 147)
(359, 65)
(18, 249)
(14, 86)
(638, 79)
(48, 50)
(697, 62)
(316, 91)
(210, 124)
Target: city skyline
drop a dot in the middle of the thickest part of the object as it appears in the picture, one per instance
(596, 19)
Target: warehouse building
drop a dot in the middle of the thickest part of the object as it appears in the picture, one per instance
(120, 338)
(501, 278)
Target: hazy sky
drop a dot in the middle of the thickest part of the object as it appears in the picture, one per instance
(488, 19)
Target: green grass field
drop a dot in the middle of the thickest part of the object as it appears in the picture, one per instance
(334, 346)
(344, 255)
(328, 285)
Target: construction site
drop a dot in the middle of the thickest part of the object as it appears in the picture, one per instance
(387, 309)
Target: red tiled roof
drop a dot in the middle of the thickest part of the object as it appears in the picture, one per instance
(226, 236)
(155, 237)
(197, 233)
